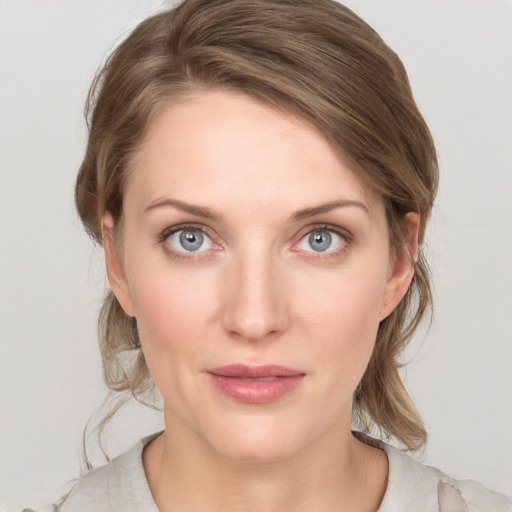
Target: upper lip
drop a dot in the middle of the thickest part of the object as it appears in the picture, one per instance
(244, 371)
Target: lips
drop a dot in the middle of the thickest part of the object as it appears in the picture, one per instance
(255, 384)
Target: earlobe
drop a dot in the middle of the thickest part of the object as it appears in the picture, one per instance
(402, 266)
(115, 267)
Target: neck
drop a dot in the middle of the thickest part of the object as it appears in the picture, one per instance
(186, 475)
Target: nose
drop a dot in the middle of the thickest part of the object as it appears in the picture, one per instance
(255, 306)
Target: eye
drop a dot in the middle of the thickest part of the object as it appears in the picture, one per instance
(190, 240)
(321, 240)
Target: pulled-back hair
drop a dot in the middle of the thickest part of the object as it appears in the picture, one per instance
(311, 58)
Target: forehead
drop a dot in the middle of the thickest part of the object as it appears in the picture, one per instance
(219, 146)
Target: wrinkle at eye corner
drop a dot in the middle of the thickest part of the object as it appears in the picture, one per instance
(450, 498)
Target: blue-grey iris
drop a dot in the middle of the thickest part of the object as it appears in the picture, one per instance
(191, 240)
(320, 241)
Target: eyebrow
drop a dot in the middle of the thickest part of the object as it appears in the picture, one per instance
(324, 208)
(202, 211)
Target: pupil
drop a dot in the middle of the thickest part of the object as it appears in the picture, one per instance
(191, 240)
(320, 240)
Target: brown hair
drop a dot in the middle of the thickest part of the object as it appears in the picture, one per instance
(311, 58)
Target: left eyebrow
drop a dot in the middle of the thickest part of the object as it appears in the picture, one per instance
(327, 207)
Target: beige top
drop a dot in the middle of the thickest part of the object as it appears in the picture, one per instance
(121, 485)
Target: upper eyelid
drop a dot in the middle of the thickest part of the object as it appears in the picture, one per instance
(304, 229)
(298, 236)
(345, 233)
(181, 227)
(163, 240)
(346, 236)
(163, 236)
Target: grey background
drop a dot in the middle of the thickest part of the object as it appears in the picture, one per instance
(458, 54)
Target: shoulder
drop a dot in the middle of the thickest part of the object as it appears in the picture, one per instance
(91, 492)
(119, 485)
(413, 486)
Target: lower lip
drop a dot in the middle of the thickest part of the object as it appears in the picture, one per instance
(252, 391)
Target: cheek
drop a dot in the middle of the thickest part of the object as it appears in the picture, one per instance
(342, 314)
(345, 300)
(163, 307)
(174, 311)
(166, 294)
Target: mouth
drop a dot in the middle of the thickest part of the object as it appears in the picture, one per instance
(255, 384)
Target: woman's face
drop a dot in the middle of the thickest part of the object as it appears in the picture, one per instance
(258, 269)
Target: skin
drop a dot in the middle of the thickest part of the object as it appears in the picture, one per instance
(257, 292)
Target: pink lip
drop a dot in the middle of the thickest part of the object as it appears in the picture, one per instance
(255, 384)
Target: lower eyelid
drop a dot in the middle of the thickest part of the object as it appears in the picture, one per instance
(206, 240)
(343, 239)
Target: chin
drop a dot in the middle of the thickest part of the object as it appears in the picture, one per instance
(257, 439)
(256, 449)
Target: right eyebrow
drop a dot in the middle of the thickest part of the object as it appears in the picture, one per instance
(200, 211)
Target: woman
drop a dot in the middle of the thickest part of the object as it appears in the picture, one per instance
(261, 179)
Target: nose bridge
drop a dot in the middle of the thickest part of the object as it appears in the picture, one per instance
(255, 305)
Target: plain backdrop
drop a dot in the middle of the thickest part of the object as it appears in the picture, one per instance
(459, 57)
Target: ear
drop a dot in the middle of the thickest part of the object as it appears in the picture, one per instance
(402, 266)
(115, 266)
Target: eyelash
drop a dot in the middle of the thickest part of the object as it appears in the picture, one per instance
(182, 255)
(345, 235)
